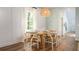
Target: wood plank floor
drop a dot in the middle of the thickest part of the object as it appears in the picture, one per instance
(67, 44)
(13, 47)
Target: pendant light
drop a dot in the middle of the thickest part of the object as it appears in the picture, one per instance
(45, 12)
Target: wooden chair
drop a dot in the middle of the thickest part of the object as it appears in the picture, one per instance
(54, 39)
(50, 39)
(31, 40)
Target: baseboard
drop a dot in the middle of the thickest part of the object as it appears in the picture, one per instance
(13, 47)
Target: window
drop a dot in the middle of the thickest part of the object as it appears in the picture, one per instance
(29, 20)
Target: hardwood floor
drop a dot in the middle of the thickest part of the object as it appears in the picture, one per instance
(67, 44)
(13, 47)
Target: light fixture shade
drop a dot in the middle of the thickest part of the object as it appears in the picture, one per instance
(45, 12)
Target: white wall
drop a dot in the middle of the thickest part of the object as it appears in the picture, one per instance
(5, 26)
(11, 29)
(54, 20)
(70, 15)
(12, 25)
(77, 24)
(17, 19)
(40, 21)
